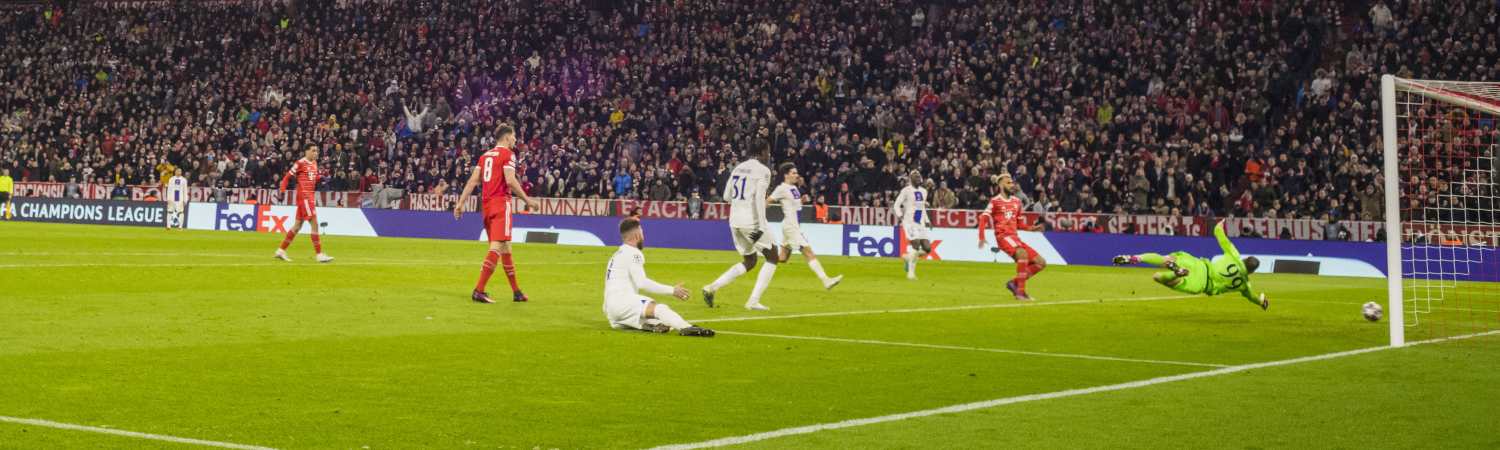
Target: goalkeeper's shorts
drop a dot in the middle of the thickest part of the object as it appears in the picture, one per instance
(1196, 281)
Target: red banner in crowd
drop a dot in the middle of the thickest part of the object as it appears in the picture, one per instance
(1303, 229)
(93, 191)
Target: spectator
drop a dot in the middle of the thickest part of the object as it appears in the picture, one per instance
(695, 206)
(944, 198)
(623, 184)
(1140, 191)
(1371, 202)
(1380, 16)
(962, 98)
(120, 192)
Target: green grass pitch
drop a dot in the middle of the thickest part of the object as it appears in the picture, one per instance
(202, 335)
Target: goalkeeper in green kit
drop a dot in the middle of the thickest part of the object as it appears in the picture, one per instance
(1193, 275)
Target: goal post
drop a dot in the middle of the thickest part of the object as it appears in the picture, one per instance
(1439, 143)
(1393, 234)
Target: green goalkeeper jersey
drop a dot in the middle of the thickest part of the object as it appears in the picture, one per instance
(1227, 272)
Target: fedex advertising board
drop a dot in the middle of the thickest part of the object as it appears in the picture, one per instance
(275, 219)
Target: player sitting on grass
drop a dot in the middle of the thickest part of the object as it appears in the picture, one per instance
(624, 306)
(1193, 275)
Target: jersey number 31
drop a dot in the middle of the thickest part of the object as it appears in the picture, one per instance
(737, 187)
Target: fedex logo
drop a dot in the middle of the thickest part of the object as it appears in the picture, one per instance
(856, 243)
(894, 244)
(249, 218)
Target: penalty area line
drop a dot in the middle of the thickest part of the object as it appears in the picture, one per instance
(947, 308)
(975, 349)
(808, 429)
(132, 434)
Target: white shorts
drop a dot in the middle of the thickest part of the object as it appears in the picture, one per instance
(791, 236)
(914, 231)
(626, 311)
(746, 246)
(176, 207)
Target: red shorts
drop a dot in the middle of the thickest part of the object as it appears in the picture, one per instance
(497, 221)
(307, 208)
(1009, 245)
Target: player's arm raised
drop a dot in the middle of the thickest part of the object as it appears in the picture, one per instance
(515, 186)
(1224, 244)
(1259, 299)
(463, 196)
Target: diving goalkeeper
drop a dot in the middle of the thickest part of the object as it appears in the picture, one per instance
(1193, 275)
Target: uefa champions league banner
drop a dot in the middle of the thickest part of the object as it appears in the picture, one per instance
(1332, 258)
(100, 212)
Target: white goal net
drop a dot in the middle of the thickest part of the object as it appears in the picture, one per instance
(1440, 140)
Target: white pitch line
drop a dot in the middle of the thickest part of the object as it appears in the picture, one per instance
(1447, 308)
(736, 440)
(945, 308)
(976, 349)
(138, 435)
(205, 255)
(1355, 305)
(348, 263)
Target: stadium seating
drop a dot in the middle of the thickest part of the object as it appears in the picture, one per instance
(1249, 108)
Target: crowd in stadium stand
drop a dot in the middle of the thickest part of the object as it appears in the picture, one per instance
(1246, 108)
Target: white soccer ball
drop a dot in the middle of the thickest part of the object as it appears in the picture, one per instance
(1373, 312)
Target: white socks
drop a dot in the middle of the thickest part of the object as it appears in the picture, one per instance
(762, 281)
(817, 269)
(729, 275)
(911, 263)
(667, 316)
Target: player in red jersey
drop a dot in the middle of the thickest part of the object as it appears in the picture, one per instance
(306, 172)
(1004, 213)
(497, 171)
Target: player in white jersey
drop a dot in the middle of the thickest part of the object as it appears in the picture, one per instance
(175, 192)
(790, 197)
(911, 207)
(746, 193)
(624, 306)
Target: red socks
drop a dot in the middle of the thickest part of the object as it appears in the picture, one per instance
(292, 234)
(510, 271)
(487, 269)
(1023, 271)
(287, 242)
